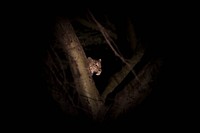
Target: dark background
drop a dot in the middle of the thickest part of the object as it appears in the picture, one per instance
(31, 104)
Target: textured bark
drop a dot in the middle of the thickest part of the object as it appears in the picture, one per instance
(88, 94)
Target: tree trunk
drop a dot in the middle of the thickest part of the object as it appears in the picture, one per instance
(88, 94)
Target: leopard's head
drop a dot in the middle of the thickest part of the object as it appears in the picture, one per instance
(94, 66)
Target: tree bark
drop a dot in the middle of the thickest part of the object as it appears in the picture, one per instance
(84, 84)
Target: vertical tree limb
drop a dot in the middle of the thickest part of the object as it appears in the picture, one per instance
(88, 94)
(131, 35)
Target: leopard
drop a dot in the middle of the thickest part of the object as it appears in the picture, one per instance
(94, 66)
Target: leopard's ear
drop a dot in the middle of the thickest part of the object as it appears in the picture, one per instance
(89, 58)
(99, 60)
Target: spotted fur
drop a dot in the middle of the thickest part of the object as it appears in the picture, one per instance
(94, 66)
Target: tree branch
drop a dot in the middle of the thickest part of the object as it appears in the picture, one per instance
(135, 92)
(119, 76)
(88, 94)
(131, 34)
